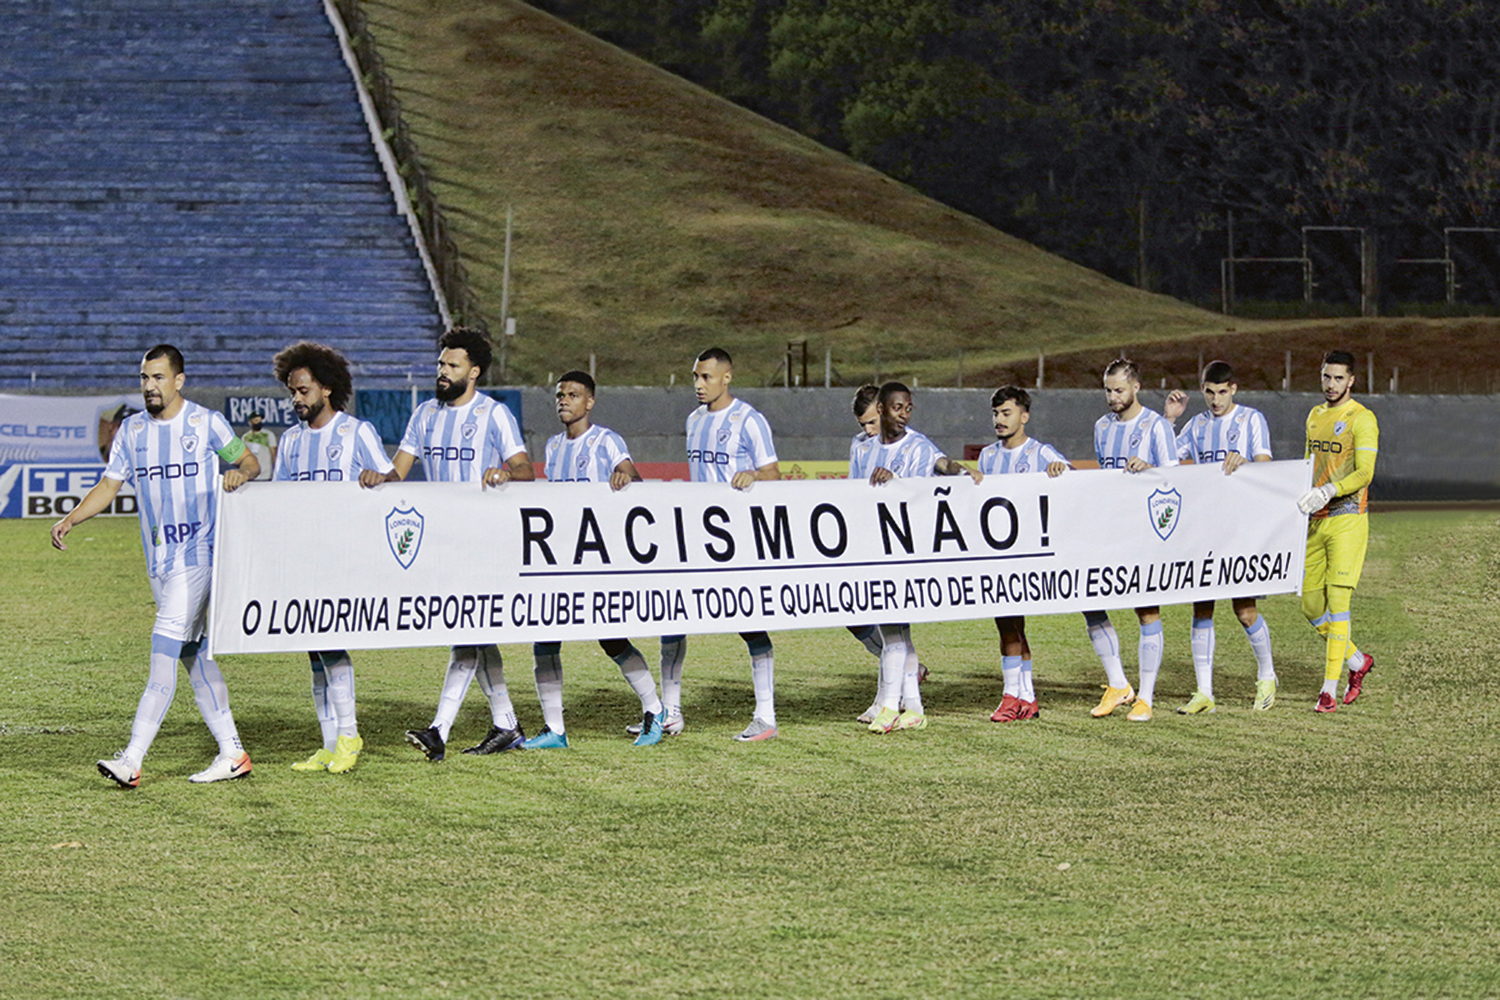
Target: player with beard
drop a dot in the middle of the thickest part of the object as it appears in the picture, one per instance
(901, 453)
(464, 436)
(1015, 452)
(1132, 438)
(171, 455)
(327, 446)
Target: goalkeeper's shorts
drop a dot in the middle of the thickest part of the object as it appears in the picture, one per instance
(1336, 551)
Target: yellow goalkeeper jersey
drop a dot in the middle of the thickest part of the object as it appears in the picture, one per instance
(1342, 442)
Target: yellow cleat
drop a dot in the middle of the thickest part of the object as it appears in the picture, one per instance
(1113, 699)
(885, 721)
(345, 754)
(1140, 711)
(911, 720)
(317, 762)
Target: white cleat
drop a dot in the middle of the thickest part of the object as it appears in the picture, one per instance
(226, 767)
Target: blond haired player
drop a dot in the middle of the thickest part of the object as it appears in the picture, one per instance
(1342, 440)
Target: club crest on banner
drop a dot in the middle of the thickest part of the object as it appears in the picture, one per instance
(403, 529)
(1166, 510)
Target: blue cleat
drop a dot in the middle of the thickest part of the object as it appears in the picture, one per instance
(651, 730)
(546, 740)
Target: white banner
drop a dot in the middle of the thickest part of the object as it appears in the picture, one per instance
(330, 565)
(60, 428)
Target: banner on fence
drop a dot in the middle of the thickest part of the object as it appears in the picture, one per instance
(50, 491)
(330, 565)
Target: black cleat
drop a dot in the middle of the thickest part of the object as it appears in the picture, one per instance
(499, 740)
(429, 741)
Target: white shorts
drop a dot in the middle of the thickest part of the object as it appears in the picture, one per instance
(182, 603)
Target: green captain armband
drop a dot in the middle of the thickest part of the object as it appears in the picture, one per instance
(233, 451)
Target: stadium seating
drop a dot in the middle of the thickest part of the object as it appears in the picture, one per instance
(198, 173)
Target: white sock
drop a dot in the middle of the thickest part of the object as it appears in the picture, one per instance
(1204, 638)
(549, 684)
(326, 721)
(892, 666)
(673, 652)
(1356, 659)
(1010, 669)
(1259, 635)
(1028, 688)
(1107, 646)
(491, 674)
(763, 676)
(638, 675)
(161, 685)
(911, 686)
(462, 662)
(1331, 686)
(340, 671)
(1150, 654)
(213, 698)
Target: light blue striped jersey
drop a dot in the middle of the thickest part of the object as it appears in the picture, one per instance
(860, 450)
(911, 456)
(336, 452)
(589, 458)
(173, 466)
(1208, 440)
(735, 439)
(1146, 436)
(1033, 456)
(457, 443)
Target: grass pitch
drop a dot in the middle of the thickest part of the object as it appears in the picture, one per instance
(1234, 855)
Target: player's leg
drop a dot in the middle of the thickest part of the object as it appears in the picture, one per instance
(1150, 655)
(212, 695)
(1106, 645)
(463, 661)
(869, 636)
(1029, 709)
(1339, 601)
(912, 714)
(1259, 634)
(892, 677)
(161, 685)
(1348, 538)
(638, 675)
(1011, 630)
(349, 743)
(763, 677)
(505, 729)
(673, 652)
(1203, 641)
(549, 691)
(1316, 600)
(327, 723)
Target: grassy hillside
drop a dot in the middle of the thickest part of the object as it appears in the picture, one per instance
(652, 219)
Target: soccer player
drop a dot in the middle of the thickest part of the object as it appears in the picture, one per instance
(327, 445)
(464, 436)
(1132, 438)
(728, 441)
(1229, 434)
(1015, 452)
(586, 453)
(1342, 439)
(900, 453)
(170, 454)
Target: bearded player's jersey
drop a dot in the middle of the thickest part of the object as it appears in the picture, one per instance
(173, 465)
(1335, 437)
(910, 456)
(589, 458)
(457, 443)
(1033, 456)
(1146, 436)
(1208, 439)
(338, 451)
(735, 439)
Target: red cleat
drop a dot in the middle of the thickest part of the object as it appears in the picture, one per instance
(1325, 702)
(1010, 705)
(921, 672)
(1357, 679)
(1027, 710)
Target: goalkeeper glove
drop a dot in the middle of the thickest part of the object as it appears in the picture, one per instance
(1316, 498)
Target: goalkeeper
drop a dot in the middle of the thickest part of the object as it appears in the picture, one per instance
(1342, 440)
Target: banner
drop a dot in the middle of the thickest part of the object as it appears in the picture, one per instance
(50, 491)
(60, 428)
(330, 565)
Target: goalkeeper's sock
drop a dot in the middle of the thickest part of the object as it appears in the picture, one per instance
(1355, 659)
(1150, 654)
(1259, 635)
(1107, 645)
(1331, 687)
(1203, 641)
(1339, 599)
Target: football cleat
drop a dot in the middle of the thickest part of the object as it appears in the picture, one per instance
(922, 672)
(121, 771)
(756, 732)
(1326, 703)
(225, 767)
(884, 721)
(1140, 711)
(317, 762)
(1198, 704)
(345, 754)
(1009, 705)
(1028, 710)
(1357, 679)
(544, 740)
(651, 730)
(1265, 694)
(429, 741)
(672, 724)
(868, 715)
(1113, 699)
(910, 720)
(499, 740)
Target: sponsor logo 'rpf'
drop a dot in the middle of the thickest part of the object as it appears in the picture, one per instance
(1166, 510)
(403, 529)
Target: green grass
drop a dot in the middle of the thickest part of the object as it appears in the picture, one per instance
(1234, 855)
